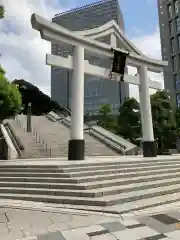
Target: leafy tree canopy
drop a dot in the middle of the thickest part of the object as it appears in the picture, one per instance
(10, 97)
(129, 119)
(106, 119)
(1, 11)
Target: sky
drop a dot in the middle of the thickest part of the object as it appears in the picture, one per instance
(23, 51)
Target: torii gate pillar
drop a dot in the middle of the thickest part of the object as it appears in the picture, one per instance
(149, 145)
(76, 142)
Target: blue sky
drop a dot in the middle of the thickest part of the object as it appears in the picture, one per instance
(141, 16)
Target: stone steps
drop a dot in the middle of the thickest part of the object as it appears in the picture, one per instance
(90, 201)
(111, 185)
(32, 148)
(106, 191)
(57, 135)
(91, 168)
(83, 176)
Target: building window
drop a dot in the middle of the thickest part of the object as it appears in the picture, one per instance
(174, 63)
(177, 24)
(178, 41)
(170, 10)
(176, 7)
(171, 27)
(178, 99)
(172, 45)
(177, 82)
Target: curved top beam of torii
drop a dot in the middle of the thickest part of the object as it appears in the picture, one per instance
(55, 33)
(108, 28)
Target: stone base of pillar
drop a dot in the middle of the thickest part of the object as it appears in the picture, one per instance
(76, 149)
(149, 149)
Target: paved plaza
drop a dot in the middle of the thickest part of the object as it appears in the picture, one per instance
(37, 221)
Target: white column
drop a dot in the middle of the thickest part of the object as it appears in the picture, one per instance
(145, 105)
(141, 112)
(77, 94)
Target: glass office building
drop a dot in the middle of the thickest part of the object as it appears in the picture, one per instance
(169, 22)
(96, 91)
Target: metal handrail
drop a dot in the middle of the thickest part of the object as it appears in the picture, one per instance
(90, 129)
(39, 139)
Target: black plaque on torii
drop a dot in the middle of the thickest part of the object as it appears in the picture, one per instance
(119, 62)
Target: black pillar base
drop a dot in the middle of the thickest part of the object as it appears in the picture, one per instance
(76, 149)
(149, 149)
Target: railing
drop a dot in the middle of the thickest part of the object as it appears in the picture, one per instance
(113, 137)
(109, 141)
(19, 151)
(103, 135)
(38, 137)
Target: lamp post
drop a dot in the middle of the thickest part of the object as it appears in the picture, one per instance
(29, 128)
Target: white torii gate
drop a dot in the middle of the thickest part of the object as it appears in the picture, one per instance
(55, 33)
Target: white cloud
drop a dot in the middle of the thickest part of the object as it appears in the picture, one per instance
(23, 51)
(149, 45)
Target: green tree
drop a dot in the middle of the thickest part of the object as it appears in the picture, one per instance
(177, 117)
(129, 124)
(105, 118)
(1, 11)
(163, 119)
(10, 97)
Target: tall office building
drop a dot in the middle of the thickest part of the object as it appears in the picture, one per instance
(97, 91)
(169, 21)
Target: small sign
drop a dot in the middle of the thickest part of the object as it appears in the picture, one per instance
(119, 62)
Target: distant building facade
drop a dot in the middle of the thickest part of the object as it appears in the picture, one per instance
(96, 91)
(169, 22)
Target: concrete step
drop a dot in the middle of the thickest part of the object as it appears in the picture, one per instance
(99, 201)
(87, 165)
(125, 181)
(124, 175)
(67, 169)
(38, 179)
(31, 174)
(121, 170)
(43, 185)
(53, 183)
(55, 178)
(113, 190)
(130, 171)
(54, 199)
(114, 165)
(141, 204)
(31, 170)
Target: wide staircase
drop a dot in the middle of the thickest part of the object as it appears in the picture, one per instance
(116, 185)
(55, 135)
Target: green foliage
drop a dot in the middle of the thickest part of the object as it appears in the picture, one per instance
(1, 11)
(129, 124)
(177, 117)
(163, 117)
(105, 117)
(129, 119)
(164, 123)
(10, 97)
